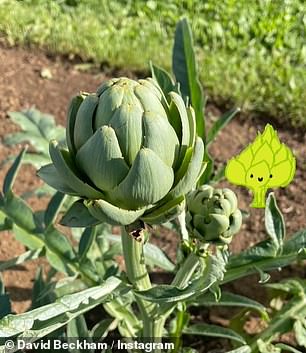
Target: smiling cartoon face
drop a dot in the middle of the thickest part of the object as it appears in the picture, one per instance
(258, 175)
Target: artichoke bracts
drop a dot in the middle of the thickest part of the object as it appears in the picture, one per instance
(132, 153)
(265, 163)
(212, 215)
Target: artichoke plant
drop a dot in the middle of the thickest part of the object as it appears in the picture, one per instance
(213, 215)
(132, 153)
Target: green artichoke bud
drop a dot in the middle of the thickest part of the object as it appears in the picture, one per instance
(212, 214)
(132, 154)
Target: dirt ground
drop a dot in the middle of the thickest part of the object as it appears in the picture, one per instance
(22, 86)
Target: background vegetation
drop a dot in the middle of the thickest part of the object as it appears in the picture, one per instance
(252, 53)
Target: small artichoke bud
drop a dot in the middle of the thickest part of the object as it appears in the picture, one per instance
(213, 215)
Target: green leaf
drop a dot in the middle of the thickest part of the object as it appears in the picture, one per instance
(30, 240)
(185, 71)
(29, 255)
(212, 274)
(106, 212)
(37, 129)
(213, 331)
(41, 321)
(67, 171)
(86, 241)
(5, 223)
(287, 348)
(19, 212)
(164, 212)
(54, 206)
(229, 299)
(69, 285)
(5, 303)
(152, 253)
(37, 123)
(296, 244)
(79, 216)
(191, 173)
(206, 175)
(157, 257)
(58, 242)
(242, 349)
(274, 222)
(50, 176)
(40, 287)
(164, 79)
(220, 124)
(267, 347)
(101, 329)
(300, 332)
(12, 173)
(77, 328)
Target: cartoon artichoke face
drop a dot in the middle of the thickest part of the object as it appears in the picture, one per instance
(213, 215)
(131, 155)
(265, 163)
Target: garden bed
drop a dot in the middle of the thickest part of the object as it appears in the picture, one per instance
(24, 84)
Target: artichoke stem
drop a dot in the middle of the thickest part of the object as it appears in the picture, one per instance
(259, 200)
(138, 276)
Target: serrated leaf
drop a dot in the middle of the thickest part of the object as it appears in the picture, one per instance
(41, 321)
(213, 331)
(185, 71)
(37, 129)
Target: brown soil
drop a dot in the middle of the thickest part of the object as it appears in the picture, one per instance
(22, 86)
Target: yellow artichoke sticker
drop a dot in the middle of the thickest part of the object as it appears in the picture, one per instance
(265, 163)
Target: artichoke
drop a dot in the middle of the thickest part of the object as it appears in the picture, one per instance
(132, 154)
(265, 163)
(212, 215)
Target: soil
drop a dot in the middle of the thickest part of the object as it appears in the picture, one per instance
(22, 86)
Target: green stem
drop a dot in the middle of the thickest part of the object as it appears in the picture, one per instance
(138, 276)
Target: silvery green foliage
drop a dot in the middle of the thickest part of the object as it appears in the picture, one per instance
(213, 214)
(132, 153)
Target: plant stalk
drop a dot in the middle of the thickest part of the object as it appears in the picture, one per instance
(138, 276)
